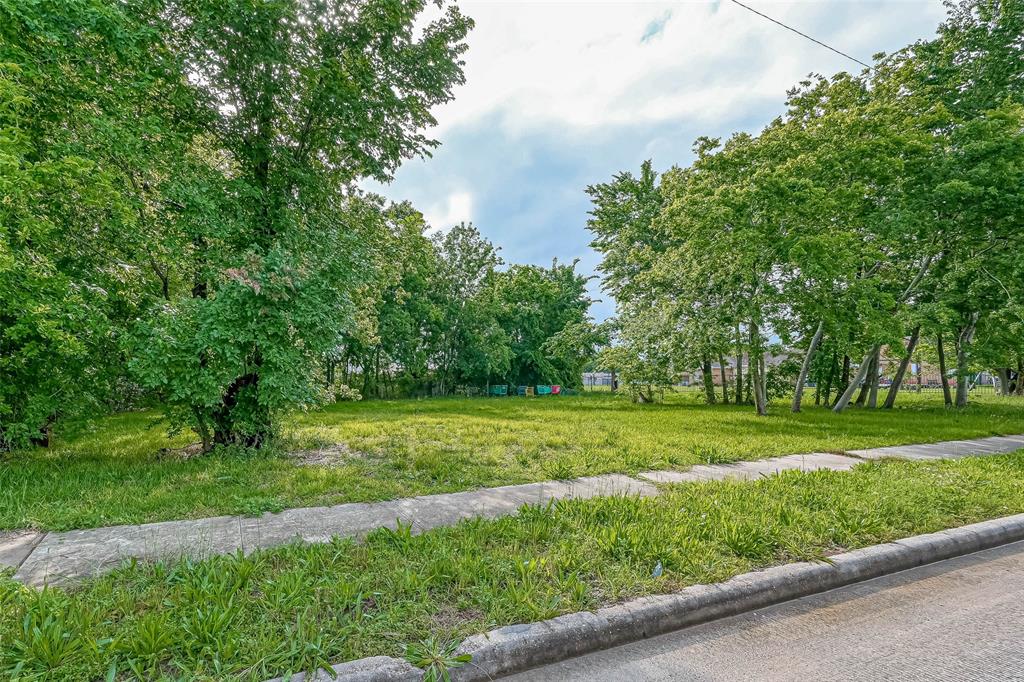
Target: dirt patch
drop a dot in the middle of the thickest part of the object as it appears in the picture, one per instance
(188, 452)
(336, 454)
(448, 618)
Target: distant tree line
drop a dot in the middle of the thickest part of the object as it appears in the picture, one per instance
(439, 314)
(882, 210)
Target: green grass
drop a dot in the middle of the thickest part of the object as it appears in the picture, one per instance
(110, 472)
(297, 607)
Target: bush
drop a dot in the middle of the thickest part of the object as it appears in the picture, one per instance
(341, 393)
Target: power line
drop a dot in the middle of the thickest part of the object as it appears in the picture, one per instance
(799, 33)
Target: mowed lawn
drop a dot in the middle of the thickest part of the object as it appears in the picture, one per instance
(113, 471)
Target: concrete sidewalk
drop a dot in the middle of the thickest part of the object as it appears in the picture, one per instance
(62, 557)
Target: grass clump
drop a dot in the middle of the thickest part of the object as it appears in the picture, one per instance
(123, 469)
(298, 607)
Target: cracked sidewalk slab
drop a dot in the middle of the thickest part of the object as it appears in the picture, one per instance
(753, 469)
(951, 449)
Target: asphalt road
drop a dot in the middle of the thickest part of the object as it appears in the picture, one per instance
(961, 620)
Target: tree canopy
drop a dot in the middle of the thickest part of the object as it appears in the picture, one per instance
(880, 207)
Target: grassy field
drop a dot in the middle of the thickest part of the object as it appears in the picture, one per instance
(113, 471)
(297, 607)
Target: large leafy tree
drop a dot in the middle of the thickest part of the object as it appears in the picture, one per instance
(543, 312)
(303, 99)
(878, 207)
(469, 344)
(622, 221)
(93, 159)
(966, 88)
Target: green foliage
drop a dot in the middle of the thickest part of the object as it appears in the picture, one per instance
(178, 180)
(876, 204)
(304, 100)
(645, 353)
(543, 312)
(623, 221)
(436, 658)
(397, 316)
(300, 607)
(471, 344)
(440, 317)
(83, 89)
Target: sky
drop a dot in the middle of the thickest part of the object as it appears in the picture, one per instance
(561, 95)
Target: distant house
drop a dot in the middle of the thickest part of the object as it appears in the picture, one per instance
(771, 360)
(591, 379)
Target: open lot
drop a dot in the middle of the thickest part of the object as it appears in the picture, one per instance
(124, 469)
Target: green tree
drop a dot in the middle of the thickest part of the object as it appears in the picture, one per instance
(623, 223)
(91, 165)
(303, 99)
(543, 312)
(470, 344)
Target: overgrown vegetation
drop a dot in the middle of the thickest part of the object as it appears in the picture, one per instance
(182, 224)
(880, 217)
(181, 228)
(115, 472)
(298, 607)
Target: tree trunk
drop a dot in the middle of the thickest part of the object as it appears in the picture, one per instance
(202, 427)
(240, 405)
(43, 438)
(725, 381)
(366, 379)
(862, 372)
(844, 379)
(709, 381)
(329, 373)
(876, 373)
(865, 388)
(739, 366)
(947, 397)
(763, 366)
(756, 375)
(1020, 377)
(963, 341)
(897, 381)
(829, 378)
(806, 366)
(1004, 380)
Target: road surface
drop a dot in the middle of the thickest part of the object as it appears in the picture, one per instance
(961, 620)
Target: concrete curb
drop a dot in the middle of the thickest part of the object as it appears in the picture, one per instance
(515, 648)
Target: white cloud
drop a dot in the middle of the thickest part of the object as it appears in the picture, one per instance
(586, 64)
(457, 207)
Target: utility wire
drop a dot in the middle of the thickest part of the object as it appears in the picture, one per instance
(799, 33)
